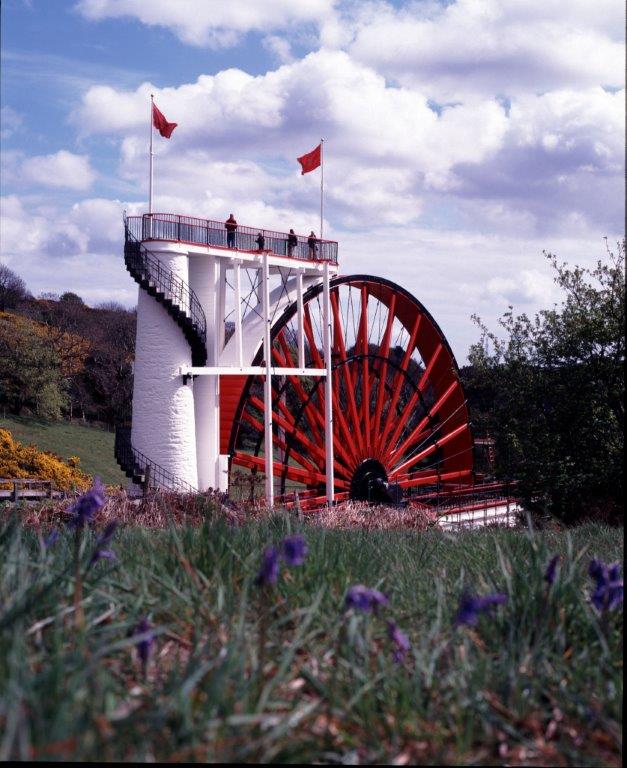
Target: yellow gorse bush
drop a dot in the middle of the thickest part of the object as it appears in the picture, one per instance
(17, 460)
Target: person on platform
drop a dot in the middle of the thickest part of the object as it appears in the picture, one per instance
(261, 241)
(312, 242)
(292, 242)
(230, 225)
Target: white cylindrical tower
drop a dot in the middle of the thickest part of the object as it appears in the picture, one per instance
(163, 406)
(205, 281)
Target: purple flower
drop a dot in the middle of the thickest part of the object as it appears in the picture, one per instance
(83, 510)
(471, 606)
(608, 594)
(101, 542)
(51, 538)
(144, 645)
(269, 570)
(549, 574)
(294, 550)
(400, 642)
(364, 599)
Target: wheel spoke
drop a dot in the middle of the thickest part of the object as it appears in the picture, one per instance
(349, 383)
(413, 400)
(399, 377)
(428, 450)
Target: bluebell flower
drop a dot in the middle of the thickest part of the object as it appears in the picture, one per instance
(471, 606)
(269, 570)
(294, 550)
(51, 538)
(400, 642)
(100, 551)
(364, 599)
(144, 645)
(86, 505)
(549, 574)
(608, 594)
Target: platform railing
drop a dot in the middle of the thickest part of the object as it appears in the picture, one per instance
(153, 474)
(187, 229)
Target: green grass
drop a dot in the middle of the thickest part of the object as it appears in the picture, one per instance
(285, 675)
(92, 445)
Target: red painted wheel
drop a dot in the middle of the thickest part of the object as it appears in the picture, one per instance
(400, 416)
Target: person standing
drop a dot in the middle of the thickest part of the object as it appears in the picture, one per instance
(312, 243)
(292, 242)
(261, 241)
(231, 226)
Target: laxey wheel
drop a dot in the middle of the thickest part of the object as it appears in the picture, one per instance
(399, 411)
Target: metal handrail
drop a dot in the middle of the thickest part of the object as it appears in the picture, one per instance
(135, 461)
(144, 263)
(188, 229)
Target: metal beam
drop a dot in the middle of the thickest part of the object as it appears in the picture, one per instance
(328, 385)
(267, 385)
(248, 370)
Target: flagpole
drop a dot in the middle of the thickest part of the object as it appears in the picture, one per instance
(321, 188)
(151, 155)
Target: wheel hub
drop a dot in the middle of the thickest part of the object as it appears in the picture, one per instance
(369, 482)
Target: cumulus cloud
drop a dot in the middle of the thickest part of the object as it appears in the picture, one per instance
(61, 169)
(76, 248)
(488, 47)
(550, 160)
(217, 25)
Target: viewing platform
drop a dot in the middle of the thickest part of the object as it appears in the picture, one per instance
(193, 231)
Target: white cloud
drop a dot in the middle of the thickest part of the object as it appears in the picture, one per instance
(61, 169)
(279, 47)
(215, 24)
(487, 46)
(10, 121)
(389, 156)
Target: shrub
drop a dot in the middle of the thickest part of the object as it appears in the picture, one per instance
(17, 460)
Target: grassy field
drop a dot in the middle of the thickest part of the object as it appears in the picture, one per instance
(284, 673)
(93, 446)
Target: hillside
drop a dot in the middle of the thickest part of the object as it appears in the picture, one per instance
(92, 445)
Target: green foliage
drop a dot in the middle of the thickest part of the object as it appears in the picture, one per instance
(537, 682)
(30, 371)
(553, 392)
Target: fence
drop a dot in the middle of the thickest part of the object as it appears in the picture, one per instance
(187, 229)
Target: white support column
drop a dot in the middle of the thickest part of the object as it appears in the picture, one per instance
(299, 313)
(204, 279)
(328, 385)
(237, 279)
(220, 324)
(267, 389)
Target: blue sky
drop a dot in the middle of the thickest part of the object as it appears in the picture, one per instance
(462, 138)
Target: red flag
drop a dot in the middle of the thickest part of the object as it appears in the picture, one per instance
(310, 161)
(161, 124)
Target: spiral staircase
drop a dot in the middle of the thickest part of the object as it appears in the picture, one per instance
(183, 306)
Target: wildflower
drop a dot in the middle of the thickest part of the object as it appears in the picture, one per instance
(549, 574)
(269, 571)
(400, 642)
(294, 550)
(144, 645)
(364, 599)
(608, 594)
(101, 542)
(89, 503)
(51, 538)
(470, 607)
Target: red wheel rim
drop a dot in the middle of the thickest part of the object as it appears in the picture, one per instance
(397, 399)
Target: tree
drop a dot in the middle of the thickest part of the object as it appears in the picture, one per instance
(12, 289)
(553, 392)
(30, 374)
